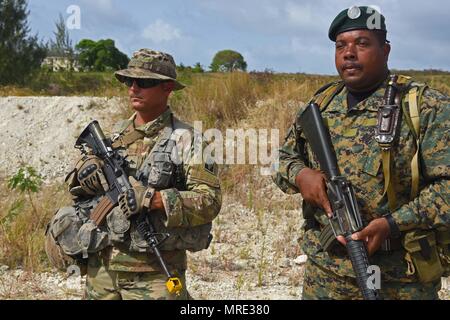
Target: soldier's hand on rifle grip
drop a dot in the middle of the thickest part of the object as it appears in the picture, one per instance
(89, 175)
(131, 201)
(374, 234)
(312, 186)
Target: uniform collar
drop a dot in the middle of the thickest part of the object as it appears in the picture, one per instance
(154, 126)
(371, 103)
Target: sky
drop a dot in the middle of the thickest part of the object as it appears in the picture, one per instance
(279, 35)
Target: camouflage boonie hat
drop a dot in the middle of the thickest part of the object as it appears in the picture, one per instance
(151, 64)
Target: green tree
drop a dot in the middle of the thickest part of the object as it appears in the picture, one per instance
(181, 67)
(227, 61)
(62, 45)
(100, 55)
(198, 68)
(20, 53)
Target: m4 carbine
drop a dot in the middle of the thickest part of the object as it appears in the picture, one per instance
(114, 171)
(346, 218)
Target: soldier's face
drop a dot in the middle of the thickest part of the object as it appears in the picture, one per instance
(361, 60)
(149, 99)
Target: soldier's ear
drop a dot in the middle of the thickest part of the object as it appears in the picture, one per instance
(168, 86)
(386, 50)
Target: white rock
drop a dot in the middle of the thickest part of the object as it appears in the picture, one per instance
(4, 268)
(301, 259)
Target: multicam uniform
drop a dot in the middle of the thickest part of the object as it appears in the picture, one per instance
(329, 275)
(126, 269)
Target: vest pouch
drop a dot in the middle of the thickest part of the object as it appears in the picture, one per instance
(161, 171)
(91, 239)
(443, 244)
(64, 227)
(422, 255)
(118, 225)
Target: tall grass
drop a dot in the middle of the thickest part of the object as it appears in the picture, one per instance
(224, 100)
(218, 100)
(22, 228)
(68, 83)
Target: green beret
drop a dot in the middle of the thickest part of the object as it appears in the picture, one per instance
(356, 18)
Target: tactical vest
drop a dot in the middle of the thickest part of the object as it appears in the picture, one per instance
(428, 251)
(72, 235)
(160, 170)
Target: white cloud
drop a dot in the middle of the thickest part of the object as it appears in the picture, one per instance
(104, 4)
(284, 35)
(299, 45)
(105, 14)
(160, 31)
(305, 16)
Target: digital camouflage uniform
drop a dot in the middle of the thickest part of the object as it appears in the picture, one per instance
(117, 273)
(329, 275)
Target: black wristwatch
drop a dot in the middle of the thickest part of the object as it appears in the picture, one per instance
(393, 227)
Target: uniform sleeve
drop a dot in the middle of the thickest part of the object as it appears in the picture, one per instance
(291, 161)
(200, 203)
(431, 208)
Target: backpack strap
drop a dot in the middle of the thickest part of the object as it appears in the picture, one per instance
(325, 94)
(412, 118)
(122, 139)
(128, 138)
(409, 96)
(387, 131)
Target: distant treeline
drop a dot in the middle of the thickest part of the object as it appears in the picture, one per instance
(70, 83)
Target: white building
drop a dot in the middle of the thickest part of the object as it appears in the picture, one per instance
(61, 63)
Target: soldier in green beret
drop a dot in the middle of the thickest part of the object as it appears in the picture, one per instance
(402, 187)
(174, 188)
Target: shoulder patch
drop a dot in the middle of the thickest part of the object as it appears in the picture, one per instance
(200, 174)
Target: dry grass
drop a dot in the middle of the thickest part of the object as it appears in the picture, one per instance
(22, 229)
(225, 100)
(46, 83)
(15, 91)
(218, 100)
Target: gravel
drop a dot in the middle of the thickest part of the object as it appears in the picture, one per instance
(41, 131)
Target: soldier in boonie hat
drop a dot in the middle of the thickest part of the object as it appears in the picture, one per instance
(151, 64)
(172, 189)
